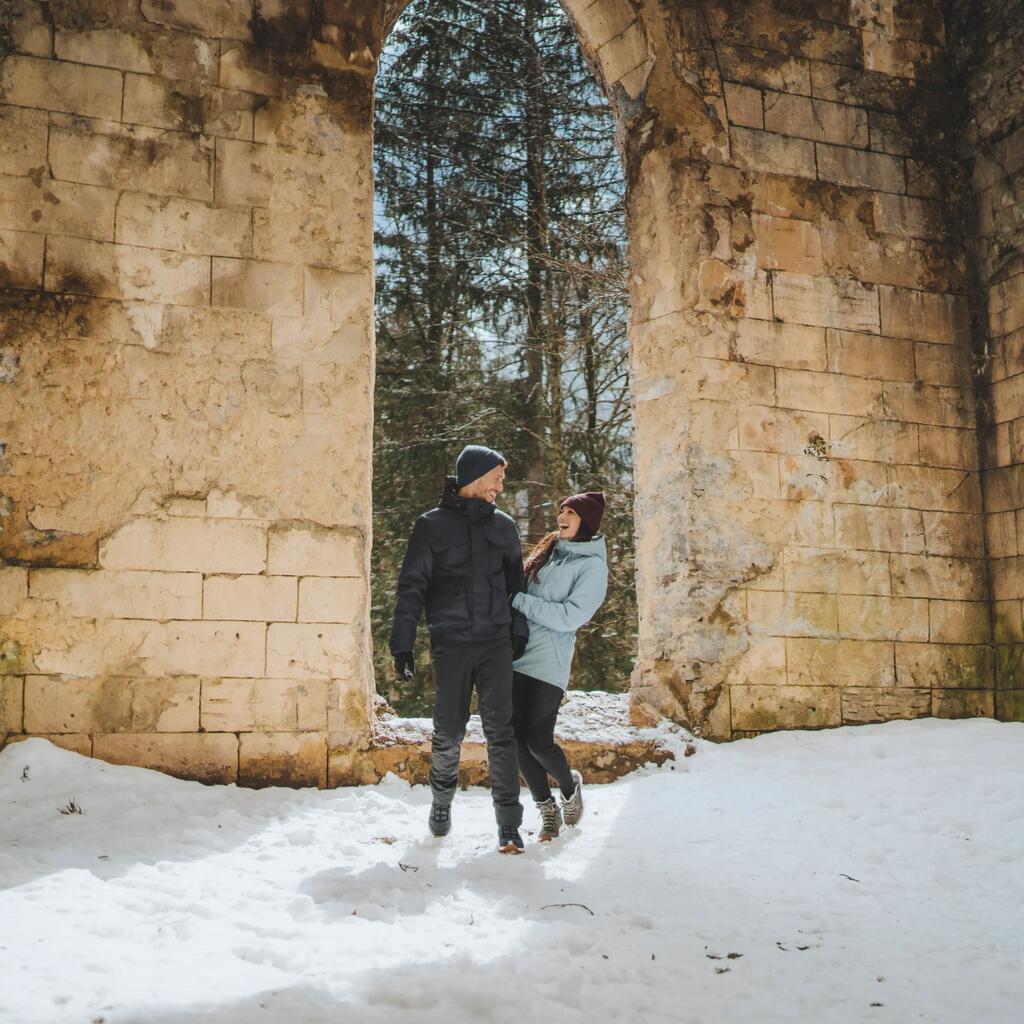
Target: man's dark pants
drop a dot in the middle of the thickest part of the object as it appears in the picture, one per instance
(458, 667)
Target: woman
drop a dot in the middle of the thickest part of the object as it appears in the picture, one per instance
(566, 581)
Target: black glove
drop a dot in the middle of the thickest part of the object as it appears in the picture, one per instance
(405, 667)
(518, 647)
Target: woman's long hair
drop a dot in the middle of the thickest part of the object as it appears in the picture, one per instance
(540, 554)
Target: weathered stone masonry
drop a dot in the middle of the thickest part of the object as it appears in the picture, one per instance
(825, 218)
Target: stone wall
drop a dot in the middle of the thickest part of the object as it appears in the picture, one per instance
(187, 366)
(990, 55)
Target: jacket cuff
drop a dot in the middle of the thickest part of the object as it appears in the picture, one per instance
(516, 602)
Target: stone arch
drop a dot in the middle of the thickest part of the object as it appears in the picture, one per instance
(187, 373)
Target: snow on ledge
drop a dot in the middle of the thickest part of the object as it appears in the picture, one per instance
(587, 716)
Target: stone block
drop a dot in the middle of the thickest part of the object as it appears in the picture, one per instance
(828, 392)
(762, 471)
(117, 271)
(923, 180)
(883, 618)
(764, 69)
(818, 120)
(809, 478)
(847, 84)
(784, 243)
(11, 704)
(781, 430)
(1001, 534)
(30, 30)
(923, 316)
(264, 705)
(1006, 305)
(771, 153)
(247, 68)
(311, 651)
(959, 622)
(1004, 488)
(927, 487)
(908, 217)
(762, 664)
(107, 593)
(889, 134)
(744, 105)
(879, 529)
(323, 599)
(61, 86)
(186, 545)
(332, 389)
(621, 55)
(825, 302)
(56, 207)
(244, 176)
(282, 759)
(944, 666)
(1008, 399)
(856, 437)
(187, 106)
(185, 225)
(136, 158)
(13, 588)
(259, 598)
(1008, 621)
(860, 168)
(772, 343)
(312, 550)
(781, 614)
(602, 20)
(954, 533)
(862, 705)
(77, 743)
(21, 259)
(341, 297)
(274, 288)
(765, 708)
(202, 757)
(963, 704)
(1010, 705)
(955, 448)
(835, 571)
(24, 134)
(928, 404)
(111, 705)
(174, 55)
(319, 341)
(829, 662)
(945, 365)
(221, 19)
(870, 355)
(938, 577)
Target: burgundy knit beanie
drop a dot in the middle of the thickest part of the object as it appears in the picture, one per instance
(589, 507)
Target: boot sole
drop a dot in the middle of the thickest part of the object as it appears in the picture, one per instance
(509, 848)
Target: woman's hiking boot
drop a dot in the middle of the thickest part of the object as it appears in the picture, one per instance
(572, 808)
(509, 839)
(440, 819)
(550, 818)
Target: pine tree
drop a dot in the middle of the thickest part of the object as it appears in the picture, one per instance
(502, 308)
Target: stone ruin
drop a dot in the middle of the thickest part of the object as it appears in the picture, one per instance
(826, 212)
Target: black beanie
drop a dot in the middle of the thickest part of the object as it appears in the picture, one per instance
(589, 506)
(474, 461)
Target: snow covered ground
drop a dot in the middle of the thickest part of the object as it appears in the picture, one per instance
(861, 874)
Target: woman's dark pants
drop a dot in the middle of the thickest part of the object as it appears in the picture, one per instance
(535, 707)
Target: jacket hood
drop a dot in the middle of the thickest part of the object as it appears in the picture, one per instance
(593, 548)
(475, 508)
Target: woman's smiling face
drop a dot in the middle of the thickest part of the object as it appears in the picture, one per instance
(568, 523)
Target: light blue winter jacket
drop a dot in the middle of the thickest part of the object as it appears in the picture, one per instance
(564, 596)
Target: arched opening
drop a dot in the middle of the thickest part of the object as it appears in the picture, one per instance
(502, 295)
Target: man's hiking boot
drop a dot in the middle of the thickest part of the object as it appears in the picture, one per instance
(550, 819)
(509, 839)
(440, 819)
(572, 808)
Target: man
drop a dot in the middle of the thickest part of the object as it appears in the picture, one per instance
(464, 563)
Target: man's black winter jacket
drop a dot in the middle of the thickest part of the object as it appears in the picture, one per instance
(464, 563)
